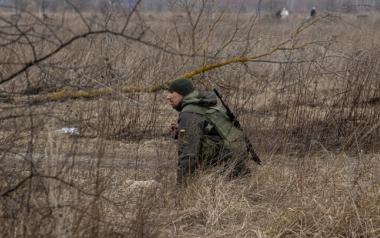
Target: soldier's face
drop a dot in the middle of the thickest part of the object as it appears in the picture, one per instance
(174, 98)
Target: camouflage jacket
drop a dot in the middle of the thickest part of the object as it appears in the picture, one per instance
(202, 143)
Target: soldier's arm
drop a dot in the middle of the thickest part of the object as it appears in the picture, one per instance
(190, 134)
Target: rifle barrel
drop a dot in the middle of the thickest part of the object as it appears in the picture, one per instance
(237, 124)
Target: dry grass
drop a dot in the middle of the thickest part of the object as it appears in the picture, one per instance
(312, 113)
(323, 195)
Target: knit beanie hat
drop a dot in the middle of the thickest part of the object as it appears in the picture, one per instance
(181, 86)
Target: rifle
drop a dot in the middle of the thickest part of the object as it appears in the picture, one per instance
(237, 124)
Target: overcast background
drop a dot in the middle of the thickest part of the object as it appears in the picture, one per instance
(233, 5)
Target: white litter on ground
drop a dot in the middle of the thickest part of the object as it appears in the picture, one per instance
(68, 130)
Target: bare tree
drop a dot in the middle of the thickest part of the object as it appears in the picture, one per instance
(82, 118)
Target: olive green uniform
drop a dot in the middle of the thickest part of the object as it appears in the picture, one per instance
(207, 138)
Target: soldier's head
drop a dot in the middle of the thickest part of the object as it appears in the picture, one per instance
(178, 89)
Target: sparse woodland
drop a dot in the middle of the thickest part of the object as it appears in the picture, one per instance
(307, 93)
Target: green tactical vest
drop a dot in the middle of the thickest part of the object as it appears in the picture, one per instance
(219, 120)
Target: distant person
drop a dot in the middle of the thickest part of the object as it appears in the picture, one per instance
(282, 14)
(278, 13)
(313, 12)
(205, 136)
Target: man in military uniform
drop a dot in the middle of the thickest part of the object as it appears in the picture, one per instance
(205, 135)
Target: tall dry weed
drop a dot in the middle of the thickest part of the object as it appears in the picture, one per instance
(312, 114)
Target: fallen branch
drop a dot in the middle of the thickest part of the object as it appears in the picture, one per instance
(65, 94)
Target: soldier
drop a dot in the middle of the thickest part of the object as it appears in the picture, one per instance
(205, 135)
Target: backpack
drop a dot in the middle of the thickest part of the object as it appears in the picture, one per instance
(219, 120)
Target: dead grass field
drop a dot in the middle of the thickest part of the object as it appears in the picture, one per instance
(312, 114)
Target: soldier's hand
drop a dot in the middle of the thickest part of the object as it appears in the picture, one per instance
(173, 130)
(173, 127)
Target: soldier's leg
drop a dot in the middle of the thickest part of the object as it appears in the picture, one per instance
(186, 167)
(240, 169)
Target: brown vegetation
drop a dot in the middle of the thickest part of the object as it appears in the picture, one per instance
(311, 108)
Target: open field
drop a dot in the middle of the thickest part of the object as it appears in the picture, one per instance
(309, 102)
